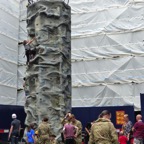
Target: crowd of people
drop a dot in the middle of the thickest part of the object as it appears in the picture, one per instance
(100, 131)
(40, 135)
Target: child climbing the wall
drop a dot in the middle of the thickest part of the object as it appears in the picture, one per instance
(25, 86)
(28, 52)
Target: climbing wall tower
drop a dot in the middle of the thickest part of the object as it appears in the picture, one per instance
(49, 72)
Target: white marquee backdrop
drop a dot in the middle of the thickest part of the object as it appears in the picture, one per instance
(107, 52)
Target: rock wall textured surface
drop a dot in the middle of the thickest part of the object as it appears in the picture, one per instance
(49, 72)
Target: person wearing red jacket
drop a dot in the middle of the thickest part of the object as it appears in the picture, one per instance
(122, 138)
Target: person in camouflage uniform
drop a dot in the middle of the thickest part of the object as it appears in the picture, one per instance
(53, 139)
(77, 123)
(43, 132)
(103, 131)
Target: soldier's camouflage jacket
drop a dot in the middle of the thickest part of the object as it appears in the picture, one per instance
(103, 132)
(78, 124)
(44, 133)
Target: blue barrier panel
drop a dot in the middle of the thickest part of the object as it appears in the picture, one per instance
(89, 114)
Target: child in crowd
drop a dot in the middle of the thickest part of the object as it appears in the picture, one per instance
(30, 135)
(122, 138)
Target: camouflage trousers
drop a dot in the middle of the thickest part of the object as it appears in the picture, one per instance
(78, 140)
(43, 140)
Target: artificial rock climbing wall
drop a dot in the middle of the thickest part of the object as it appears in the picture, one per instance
(48, 76)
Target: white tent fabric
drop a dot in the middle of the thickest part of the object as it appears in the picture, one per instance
(107, 52)
(9, 24)
(21, 53)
